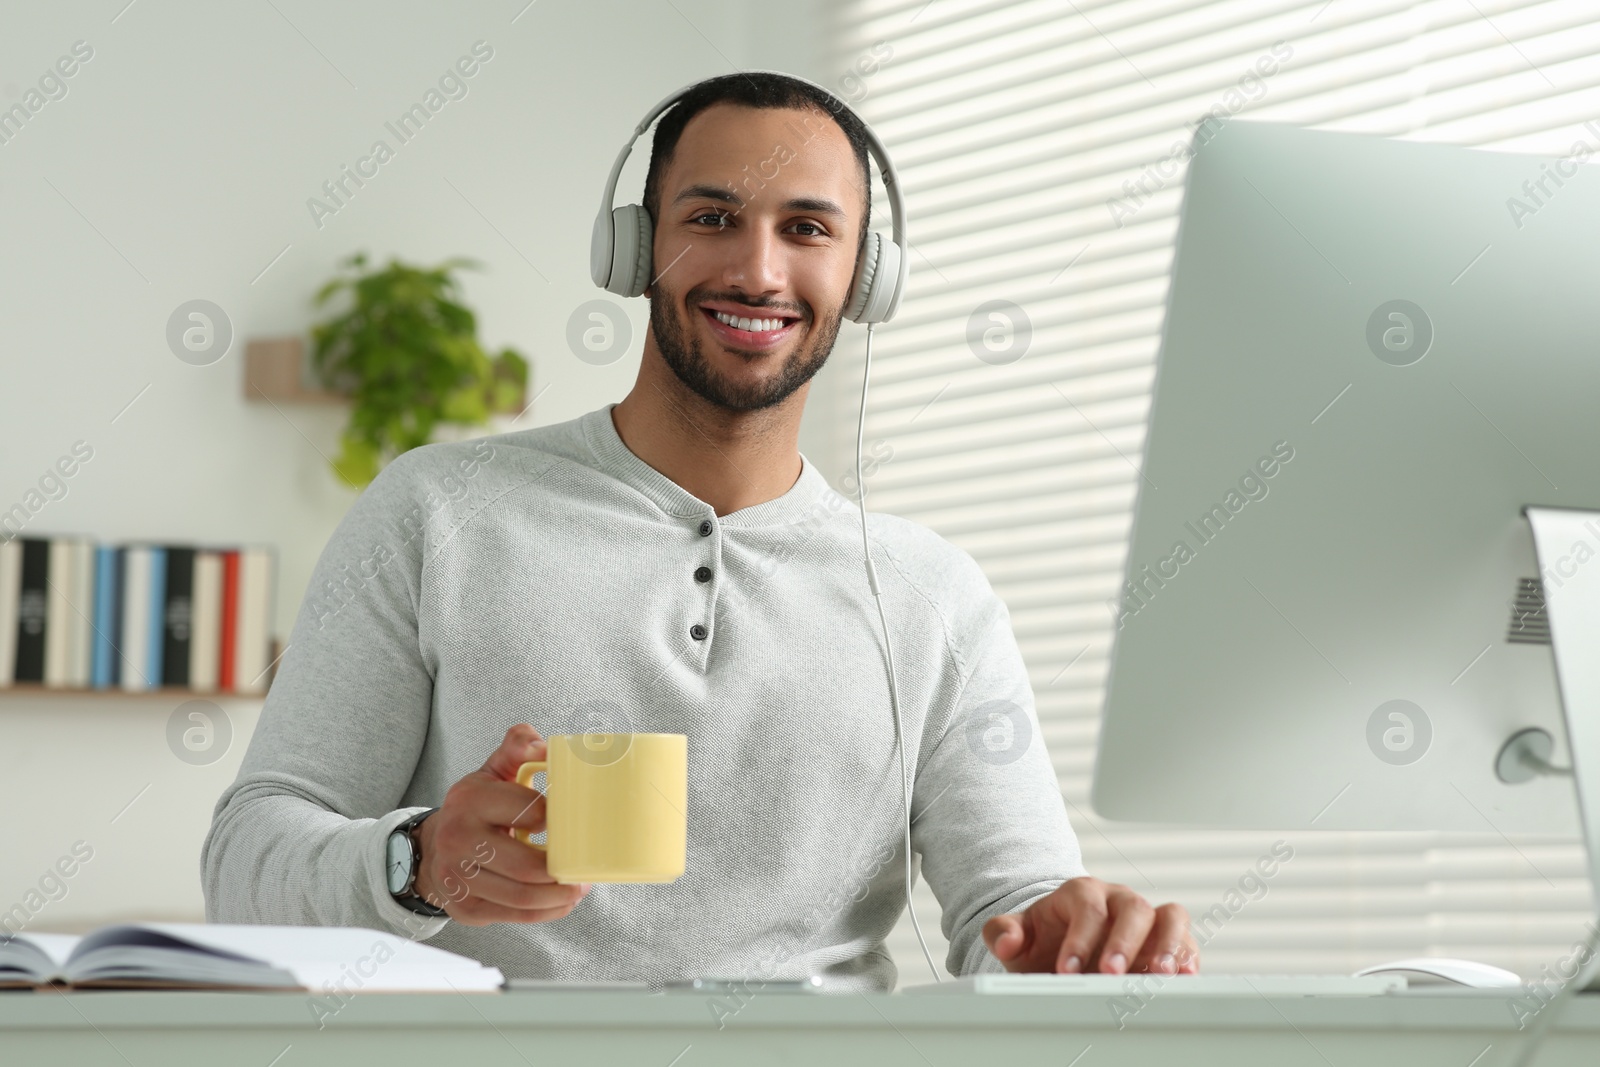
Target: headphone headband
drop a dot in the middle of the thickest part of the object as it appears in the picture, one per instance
(620, 252)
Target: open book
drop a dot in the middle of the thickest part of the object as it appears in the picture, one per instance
(317, 959)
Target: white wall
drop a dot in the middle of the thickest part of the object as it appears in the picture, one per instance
(177, 167)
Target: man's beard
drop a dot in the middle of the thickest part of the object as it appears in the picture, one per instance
(682, 351)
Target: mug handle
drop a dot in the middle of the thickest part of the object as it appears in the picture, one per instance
(525, 775)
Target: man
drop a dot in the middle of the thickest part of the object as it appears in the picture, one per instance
(672, 564)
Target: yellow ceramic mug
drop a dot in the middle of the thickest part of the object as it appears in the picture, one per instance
(615, 806)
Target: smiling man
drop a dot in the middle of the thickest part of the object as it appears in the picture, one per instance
(748, 305)
(672, 563)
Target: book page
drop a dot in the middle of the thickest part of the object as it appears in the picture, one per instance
(18, 958)
(318, 956)
(57, 946)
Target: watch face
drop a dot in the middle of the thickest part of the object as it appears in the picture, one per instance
(399, 861)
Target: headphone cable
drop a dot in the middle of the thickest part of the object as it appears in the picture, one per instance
(894, 698)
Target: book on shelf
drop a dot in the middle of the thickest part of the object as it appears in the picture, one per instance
(177, 616)
(77, 614)
(10, 594)
(58, 630)
(312, 959)
(107, 615)
(205, 628)
(32, 560)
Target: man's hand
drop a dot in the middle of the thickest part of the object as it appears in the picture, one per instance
(471, 866)
(1087, 925)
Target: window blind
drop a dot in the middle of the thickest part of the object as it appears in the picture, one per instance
(1031, 140)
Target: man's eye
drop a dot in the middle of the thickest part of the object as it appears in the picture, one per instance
(820, 232)
(719, 218)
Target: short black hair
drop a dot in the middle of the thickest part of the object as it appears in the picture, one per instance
(754, 89)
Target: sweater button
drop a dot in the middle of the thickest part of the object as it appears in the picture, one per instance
(702, 574)
(705, 527)
(697, 632)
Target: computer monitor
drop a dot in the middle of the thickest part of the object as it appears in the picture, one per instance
(1376, 354)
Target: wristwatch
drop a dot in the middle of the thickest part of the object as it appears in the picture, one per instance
(401, 857)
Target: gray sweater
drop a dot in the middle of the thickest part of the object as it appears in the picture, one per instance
(552, 577)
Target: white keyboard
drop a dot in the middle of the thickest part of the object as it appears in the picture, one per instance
(1145, 985)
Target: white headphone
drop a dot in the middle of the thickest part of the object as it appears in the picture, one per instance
(620, 250)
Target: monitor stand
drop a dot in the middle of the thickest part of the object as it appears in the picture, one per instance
(1572, 604)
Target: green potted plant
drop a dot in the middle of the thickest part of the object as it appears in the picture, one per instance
(406, 354)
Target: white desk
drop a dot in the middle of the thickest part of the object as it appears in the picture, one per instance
(1457, 1028)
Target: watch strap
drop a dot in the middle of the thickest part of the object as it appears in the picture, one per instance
(408, 898)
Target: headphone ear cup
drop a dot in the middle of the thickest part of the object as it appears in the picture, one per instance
(877, 274)
(601, 240)
(630, 259)
(866, 278)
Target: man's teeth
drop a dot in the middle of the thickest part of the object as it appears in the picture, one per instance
(754, 325)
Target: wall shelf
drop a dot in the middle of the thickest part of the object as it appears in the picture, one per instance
(166, 692)
(275, 369)
(163, 692)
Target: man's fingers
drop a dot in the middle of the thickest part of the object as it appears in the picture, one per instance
(509, 804)
(1086, 924)
(1168, 946)
(1189, 963)
(473, 910)
(471, 865)
(519, 861)
(521, 744)
(460, 846)
(1189, 954)
(1131, 920)
(486, 885)
(492, 848)
(499, 803)
(1007, 938)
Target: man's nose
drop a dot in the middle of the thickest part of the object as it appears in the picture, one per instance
(757, 262)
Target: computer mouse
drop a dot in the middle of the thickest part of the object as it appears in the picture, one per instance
(1436, 971)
